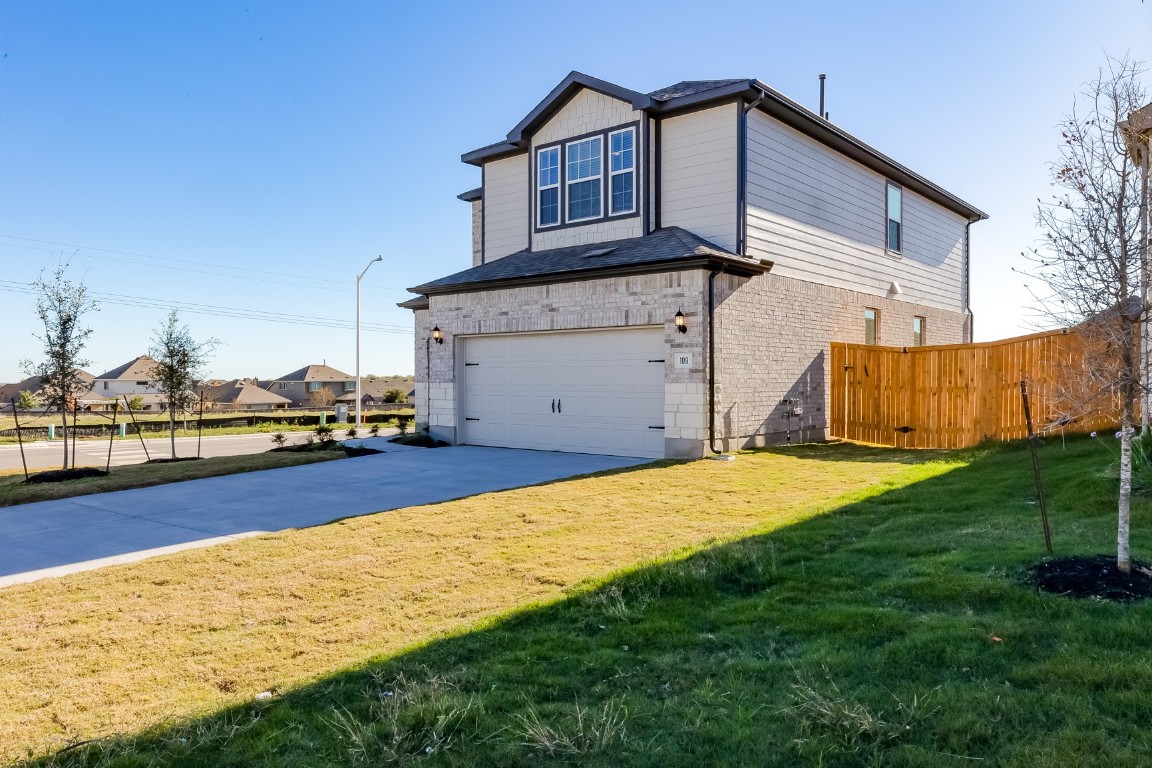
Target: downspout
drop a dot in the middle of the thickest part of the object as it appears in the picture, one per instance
(712, 360)
(742, 173)
(968, 281)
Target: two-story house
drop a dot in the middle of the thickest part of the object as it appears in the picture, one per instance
(313, 385)
(660, 274)
(133, 380)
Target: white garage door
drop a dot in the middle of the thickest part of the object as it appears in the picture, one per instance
(585, 391)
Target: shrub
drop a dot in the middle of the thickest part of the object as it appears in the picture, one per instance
(1142, 462)
(351, 433)
(280, 439)
(402, 425)
(374, 430)
(324, 433)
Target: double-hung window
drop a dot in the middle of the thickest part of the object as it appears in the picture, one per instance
(548, 184)
(622, 171)
(895, 218)
(583, 178)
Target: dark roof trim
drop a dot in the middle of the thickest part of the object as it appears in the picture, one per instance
(733, 265)
(807, 122)
(561, 93)
(471, 195)
(416, 302)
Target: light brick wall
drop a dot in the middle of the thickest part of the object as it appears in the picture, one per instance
(773, 337)
(641, 300)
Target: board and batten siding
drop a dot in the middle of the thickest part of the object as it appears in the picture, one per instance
(505, 206)
(698, 173)
(820, 216)
(587, 112)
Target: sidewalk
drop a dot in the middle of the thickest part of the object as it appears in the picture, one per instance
(51, 538)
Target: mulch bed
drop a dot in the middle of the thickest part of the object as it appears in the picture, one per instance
(350, 451)
(61, 475)
(419, 439)
(1094, 576)
(173, 460)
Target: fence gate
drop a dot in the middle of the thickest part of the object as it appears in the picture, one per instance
(954, 396)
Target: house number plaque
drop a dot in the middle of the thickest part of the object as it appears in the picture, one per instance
(683, 359)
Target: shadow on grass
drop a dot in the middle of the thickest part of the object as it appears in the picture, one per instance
(839, 451)
(892, 631)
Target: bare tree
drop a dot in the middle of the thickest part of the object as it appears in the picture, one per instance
(322, 398)
(61, 306)
(178, 368)
(1090, 257)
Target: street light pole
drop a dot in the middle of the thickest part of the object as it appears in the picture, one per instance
(359, 395)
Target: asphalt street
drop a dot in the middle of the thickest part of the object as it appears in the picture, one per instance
(94, 453)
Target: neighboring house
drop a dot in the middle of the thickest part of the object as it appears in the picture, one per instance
(374, 388)
(33, 384)
(240, 395)
(301, 386)
(131, 380)
(661, 274)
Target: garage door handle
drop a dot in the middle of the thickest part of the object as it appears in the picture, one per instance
(559, 406)
(469, 418)
(553, 405)
(651, 427)
(656, 361)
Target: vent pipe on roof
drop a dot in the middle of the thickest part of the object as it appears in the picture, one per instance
(822, 113)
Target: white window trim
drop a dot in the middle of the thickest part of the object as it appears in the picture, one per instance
(540, 188)
(630, 170)
(598, 178)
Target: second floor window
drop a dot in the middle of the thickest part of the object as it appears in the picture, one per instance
(349, 386)
(587, 179)
(584, 172)
(895, 218)
(313, 386)
(548, 184)
(621, 165)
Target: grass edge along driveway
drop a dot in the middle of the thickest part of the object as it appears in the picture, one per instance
(103, 652)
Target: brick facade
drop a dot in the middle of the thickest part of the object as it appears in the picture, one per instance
(772, 336)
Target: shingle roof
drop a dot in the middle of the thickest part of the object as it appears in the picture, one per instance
(692, 87)
(315, 373)
(134, 370)
(243, 393)
(33, 384)
(664, 247)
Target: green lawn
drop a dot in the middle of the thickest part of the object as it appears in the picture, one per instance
(13, 489)
(870, 611)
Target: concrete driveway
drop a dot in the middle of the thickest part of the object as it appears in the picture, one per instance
(51, 538)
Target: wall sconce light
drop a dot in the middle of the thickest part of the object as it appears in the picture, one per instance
(437, 335)
(681, 326)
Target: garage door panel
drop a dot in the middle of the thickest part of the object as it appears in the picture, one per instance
(605, 391)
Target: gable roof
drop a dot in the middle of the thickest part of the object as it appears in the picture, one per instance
(35, 385)
(689, 94)
(666, 249)
(243, 393)
(133, 370)
(315, 373)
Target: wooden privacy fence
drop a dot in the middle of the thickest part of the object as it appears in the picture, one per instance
(957, 395)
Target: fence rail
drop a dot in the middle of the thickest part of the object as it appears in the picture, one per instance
(958, 395)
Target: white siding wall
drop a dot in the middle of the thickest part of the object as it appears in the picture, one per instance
(586, 112)
(698, 174)
(820, 217)
(505, 206)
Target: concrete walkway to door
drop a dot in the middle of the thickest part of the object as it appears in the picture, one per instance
(51, 538)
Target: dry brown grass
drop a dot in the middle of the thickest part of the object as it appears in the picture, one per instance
(116, 649)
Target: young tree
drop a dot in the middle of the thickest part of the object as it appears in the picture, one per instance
(26, 401)
(61, 306)
(395, 395)
(1090, 256)
(179, 367)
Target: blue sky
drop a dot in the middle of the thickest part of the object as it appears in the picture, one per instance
(247, 160)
